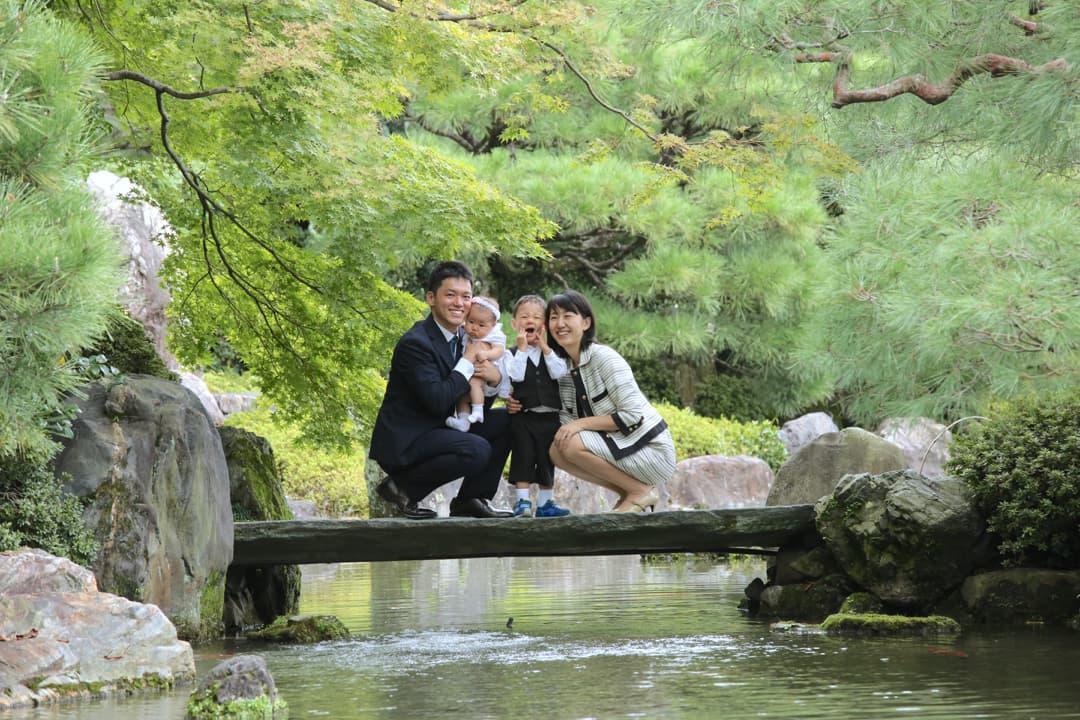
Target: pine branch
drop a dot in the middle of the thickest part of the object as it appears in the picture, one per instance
(459, 138)
(1029, 27)
(994, 65)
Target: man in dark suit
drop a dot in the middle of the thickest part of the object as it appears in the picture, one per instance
(411, 441)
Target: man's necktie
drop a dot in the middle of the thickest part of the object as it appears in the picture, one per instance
(455, 344)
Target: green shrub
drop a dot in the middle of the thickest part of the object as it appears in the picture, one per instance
(695, 435)
(127, 348)
(731, 397)
(36, 512)
(1022, 466)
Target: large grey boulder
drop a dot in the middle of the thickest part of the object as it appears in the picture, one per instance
(63, 639)
(925, 443)
(256, 595)
(719, 481)
(150, 461)
(906, 538)
(803, 430)
(813, 471)
(142, 230)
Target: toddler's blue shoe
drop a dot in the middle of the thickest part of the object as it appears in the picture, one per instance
(550, 509)
(523, 507)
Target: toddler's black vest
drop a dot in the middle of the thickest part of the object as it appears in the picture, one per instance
(537, 388)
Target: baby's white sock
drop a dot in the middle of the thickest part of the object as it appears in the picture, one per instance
(459, 422)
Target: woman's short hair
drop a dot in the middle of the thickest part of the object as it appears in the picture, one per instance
(575, 302)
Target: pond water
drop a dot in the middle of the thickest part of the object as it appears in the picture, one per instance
(614, 637)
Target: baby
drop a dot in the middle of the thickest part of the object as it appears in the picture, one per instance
(485, 341)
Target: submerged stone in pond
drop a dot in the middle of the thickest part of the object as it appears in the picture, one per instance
(302, 629)
(877, 624)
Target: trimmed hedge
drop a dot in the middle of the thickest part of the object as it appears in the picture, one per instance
(695, 435)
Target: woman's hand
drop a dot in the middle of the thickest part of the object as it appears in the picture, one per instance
(566, 433)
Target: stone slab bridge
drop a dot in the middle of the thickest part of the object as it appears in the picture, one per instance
(743, 531)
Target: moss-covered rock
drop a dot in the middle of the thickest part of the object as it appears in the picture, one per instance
(861, 603)
(255, 486)
(127, 348)
(1023, 595)
(878, 624)
(908, 539)
(148, 460)
(241, 688)
(805, 602)
(301, 629)
(256, 595)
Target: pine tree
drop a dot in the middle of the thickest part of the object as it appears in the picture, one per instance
(59, 265)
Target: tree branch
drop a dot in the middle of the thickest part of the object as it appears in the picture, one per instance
(1030, 27)
(458, 138)
(993, 65)
(162, 88)
(592, 91)
(210, 206)
(818, 57)
(446, 16)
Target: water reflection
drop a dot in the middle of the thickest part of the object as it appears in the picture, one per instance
(613, 637)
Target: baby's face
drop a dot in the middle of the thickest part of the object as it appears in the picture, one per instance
(479, 322)
(528, 318)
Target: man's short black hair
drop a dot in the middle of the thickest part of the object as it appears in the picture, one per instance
(448, 269)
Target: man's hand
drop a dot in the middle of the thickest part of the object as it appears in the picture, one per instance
(488, 371)
(513, 405)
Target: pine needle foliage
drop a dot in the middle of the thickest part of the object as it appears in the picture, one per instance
(957, 287)
(59, 265)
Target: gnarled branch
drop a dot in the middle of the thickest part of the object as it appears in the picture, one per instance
(990, 64)
(210, 206)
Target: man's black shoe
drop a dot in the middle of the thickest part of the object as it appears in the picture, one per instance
(477, 508)
(391, 493)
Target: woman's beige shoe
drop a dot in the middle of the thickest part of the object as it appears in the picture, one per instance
(649, 501)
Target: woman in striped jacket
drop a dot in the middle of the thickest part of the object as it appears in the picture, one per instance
(610, 434)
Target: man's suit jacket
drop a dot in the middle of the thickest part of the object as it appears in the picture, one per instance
(421, 392)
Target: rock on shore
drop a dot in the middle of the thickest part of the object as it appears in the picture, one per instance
(60, 638)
